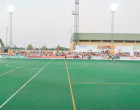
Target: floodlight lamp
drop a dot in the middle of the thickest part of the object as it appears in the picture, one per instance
(11, 9)
(113, 7)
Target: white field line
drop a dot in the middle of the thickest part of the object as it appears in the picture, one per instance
(82, 66)
(24, 84)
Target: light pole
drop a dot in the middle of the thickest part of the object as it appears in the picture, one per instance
(6, 36)
(11, 11)
(113, 9)
(24, 46)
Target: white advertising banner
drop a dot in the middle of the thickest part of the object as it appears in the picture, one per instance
(124, 49)
(87, 48)
(136, 48)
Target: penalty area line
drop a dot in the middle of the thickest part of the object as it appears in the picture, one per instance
(24, 84)
(105, 83)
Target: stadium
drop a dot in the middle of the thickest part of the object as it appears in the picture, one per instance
(98, 71)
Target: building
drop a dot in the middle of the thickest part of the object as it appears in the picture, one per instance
(103, 40)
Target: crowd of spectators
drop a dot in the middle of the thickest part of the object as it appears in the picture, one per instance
(137, 54)
(72, 54)
(124, 54)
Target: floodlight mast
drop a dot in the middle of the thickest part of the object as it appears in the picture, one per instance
(113, 9)
(76, 21)
(11, 11)
(6, 36)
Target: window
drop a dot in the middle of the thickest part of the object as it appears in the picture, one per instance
(129, 41)
(95, 40)
(118, 41)
(137, 41)
(84, 40)
(106, 40)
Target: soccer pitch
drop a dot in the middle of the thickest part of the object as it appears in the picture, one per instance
(39, 84)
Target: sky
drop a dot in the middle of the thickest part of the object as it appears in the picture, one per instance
(50, 22)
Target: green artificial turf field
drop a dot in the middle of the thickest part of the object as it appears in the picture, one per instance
(38, 84)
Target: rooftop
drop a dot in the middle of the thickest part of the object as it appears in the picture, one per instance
(107, 36)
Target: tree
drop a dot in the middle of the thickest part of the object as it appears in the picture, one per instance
(44, 48)
(30, 47)
(36, 48)
(21, 48)
(1, 42)
(15, 47)
(58, 47)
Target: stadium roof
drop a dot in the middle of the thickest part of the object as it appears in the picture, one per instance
(107, 36)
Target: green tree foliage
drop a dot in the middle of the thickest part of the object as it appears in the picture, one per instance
(15, 47)
(62, 48)
(44, 48)
(36, 48)
(58, 47)
(30, 47)
(1, 42)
